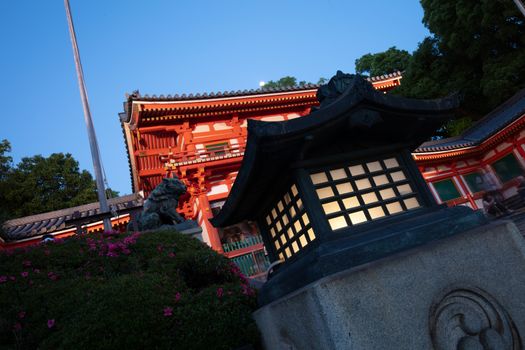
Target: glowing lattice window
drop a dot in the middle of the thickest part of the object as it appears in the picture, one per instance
(359, 193)
(289, 225)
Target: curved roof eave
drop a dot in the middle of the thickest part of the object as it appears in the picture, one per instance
(500, 118)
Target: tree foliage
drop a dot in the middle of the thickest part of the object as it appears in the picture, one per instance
(477, 48)
(281, 83)
(39, 184)
(289, 81)
(5, 160)
(5, 167)
(386, 62)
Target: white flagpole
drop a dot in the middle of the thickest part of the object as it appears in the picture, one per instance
(520, 6)
(89, 122)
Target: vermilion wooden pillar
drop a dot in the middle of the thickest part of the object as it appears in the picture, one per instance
(213, 234)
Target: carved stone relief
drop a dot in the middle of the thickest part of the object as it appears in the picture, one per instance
(471, 319)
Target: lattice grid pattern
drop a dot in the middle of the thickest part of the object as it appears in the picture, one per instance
(289, 225)
(364, 192)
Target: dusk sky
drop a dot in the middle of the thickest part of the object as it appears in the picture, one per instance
(168, 47)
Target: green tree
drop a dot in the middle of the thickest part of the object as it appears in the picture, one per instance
(386, 62)
(477, 48)
(289, 81)
(282, 83)
(39, 184)
(5, 160)
(5, 168)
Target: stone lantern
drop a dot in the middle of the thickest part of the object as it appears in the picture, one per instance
(335, 191)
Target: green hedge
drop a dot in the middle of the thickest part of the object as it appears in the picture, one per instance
(151, 290)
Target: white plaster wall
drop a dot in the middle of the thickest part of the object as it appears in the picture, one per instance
(276, 118)
(201, 128)
(218, 189)
(221, 126)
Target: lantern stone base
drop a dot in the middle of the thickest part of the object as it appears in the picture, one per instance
(466, 291)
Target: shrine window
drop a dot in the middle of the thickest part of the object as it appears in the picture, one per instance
(507, 168)
(217, 149)
(363, 192)
(446, 189)
(475, 181)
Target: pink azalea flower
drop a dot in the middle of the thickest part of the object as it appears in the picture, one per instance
(21, 314)
(129, 240)
(24, 274)
(12, 278)
(26, 263)
(177, 296)
(159, 248)
(17, 326)
(113, 247)
(3, 279)
(50, 323)
(36, 270)
(220, 292)
(246, 290)
(171, 254)
(168, 311)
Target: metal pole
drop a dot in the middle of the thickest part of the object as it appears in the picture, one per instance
(89, 122)
(520, 6)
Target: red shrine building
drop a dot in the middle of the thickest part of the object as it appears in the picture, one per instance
(489, 156)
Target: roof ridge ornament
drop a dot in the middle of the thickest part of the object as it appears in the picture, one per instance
(338, 84)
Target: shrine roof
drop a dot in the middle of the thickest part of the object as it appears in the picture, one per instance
(350, 109)
(53, 221)
(136, 96)
(504, 115)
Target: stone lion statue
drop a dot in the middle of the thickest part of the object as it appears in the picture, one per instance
(161, 206)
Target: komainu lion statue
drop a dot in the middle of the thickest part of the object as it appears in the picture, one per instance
(161, 206)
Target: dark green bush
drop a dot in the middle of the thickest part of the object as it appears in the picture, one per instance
(157, 290)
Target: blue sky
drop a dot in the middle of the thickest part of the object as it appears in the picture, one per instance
(167, 47)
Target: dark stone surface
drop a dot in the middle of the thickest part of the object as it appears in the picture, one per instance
(186, 225)
(436, 296)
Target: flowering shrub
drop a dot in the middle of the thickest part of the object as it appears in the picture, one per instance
(135, 291)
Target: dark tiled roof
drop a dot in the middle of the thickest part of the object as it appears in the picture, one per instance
(46, 223)
(397, 74)
(489, 125)
(183, 97)
(444, 145)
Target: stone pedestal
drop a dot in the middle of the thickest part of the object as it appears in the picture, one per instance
(462, 292)
(195, 232)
